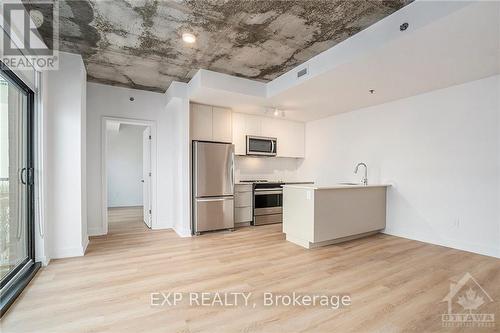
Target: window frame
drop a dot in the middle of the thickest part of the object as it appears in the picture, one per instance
(15, 281)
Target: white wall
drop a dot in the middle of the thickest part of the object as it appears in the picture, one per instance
(269, 168)
(124, 163)
(83, 157)
(440, 150)
(65, 206)
(104, 100)
(178, 165)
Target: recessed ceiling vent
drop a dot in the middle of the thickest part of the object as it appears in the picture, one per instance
(302, 72)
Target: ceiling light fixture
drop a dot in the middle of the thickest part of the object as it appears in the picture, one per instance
(188, 38)
(276, 112)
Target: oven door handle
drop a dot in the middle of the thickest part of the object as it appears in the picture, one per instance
(269, 189)
(265, 192)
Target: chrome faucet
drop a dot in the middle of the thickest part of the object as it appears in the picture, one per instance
(365, 178)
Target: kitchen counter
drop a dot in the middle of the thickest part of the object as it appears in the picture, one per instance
(275, 181)
(331, 187)
(316, 216)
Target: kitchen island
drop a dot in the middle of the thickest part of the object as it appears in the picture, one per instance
(317, 216)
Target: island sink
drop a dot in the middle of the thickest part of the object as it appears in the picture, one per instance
(317, 216)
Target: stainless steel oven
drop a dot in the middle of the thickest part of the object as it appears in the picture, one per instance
(268, 202)
(261, 146)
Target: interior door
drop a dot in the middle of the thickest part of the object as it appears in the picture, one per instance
(16, 185)
(146, 176)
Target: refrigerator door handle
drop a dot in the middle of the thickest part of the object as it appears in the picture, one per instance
(215, 199)
(232, 172)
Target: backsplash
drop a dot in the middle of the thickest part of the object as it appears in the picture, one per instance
(269, 168)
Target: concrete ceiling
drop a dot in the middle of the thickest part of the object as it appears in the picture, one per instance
(137, 43)
(461, 43)
(461, 47)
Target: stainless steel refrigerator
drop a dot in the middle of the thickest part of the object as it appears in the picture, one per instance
(213, 186)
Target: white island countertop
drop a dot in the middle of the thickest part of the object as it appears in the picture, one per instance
(333, 187)
(315, 215)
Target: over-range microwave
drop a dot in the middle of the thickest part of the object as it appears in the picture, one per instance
(261, 146)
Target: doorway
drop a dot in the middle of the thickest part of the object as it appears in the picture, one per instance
(129, 175)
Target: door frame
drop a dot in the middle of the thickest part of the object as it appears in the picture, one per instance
(15, 281)
(146, 178)
(104, 172)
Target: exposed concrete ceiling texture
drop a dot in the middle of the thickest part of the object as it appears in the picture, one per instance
(138, 44)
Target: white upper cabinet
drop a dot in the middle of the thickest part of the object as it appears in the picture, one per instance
(239, 135)
(293, 139)
(290, 134)
(210, 123)
(253, 125)
(201, 122)
(243, 125)
(222, 125)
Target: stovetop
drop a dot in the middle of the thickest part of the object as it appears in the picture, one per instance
(254, 181)
(268, 185)
(264, 182)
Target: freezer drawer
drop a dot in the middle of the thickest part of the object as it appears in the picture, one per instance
(213, 214)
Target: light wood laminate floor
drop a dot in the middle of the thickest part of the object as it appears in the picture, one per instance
(396, 285)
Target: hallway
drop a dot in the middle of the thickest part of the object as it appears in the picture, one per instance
(122, 220)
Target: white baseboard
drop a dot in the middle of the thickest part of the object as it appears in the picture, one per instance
(162, 226)
(85, 244)
(454, 244)
(67, 252)
(44, 260)
(95, 232)
(182, 232)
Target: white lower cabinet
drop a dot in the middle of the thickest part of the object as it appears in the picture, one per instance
(243, 203)
(243, 199)
(243, 215)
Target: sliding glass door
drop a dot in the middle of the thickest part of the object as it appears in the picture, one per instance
(16, 186)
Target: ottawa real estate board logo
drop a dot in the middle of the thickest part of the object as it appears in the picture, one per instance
(22, 42)
(465, 300)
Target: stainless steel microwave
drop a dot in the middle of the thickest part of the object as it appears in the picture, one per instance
(261, 146)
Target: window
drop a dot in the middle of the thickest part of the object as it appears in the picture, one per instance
(17, 256)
